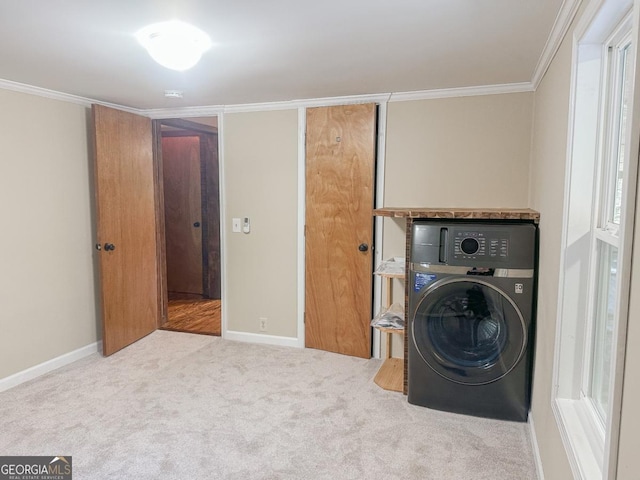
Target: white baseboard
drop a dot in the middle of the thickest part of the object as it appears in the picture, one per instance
(262, 339)
(536, 450)
(48, 366)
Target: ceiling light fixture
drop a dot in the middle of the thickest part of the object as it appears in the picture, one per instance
(174, 44)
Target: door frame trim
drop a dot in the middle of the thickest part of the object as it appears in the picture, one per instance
(161, 259)
(302, 176)
(224, 322)
(378, 223)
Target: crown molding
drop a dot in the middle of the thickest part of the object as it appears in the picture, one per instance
(307, 103)
(563, 21)
(211, 110)
(202, 111)
(345, 100)
(183, 112)
(61, 96)
(43, 92)
(205, 111)
(462, 92)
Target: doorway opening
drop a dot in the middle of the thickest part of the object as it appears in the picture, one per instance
(188, 170)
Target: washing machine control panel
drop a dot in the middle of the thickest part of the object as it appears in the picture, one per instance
(507, 245)
(470, 244)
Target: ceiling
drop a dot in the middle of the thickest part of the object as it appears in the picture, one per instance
(275, 50)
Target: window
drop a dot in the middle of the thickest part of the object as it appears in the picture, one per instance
(594, 290)
(606, 237)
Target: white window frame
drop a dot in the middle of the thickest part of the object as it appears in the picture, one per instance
(590, 442)
(606, 232)
(619, 39)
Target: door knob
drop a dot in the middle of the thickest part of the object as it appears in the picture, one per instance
(109, 247)
(197, 224)
(363, 247)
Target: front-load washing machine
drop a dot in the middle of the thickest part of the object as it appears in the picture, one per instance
(471, 326)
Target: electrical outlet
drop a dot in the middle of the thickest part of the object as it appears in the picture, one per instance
(263, 324)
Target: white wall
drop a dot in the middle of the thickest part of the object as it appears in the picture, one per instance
(628, 458)
(548, 163)
(459, 152)
(47, 297)
(260, 182)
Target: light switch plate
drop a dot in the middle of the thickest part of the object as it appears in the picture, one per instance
(237, 225)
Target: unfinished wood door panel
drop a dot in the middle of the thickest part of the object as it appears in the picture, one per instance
(125, 197)
(211, 215)
(340, 167)
(183, 213)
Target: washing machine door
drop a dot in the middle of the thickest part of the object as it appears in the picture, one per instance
(469, 331)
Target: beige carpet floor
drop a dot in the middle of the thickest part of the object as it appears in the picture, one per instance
(183, 406)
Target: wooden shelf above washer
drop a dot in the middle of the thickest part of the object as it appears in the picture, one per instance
(460, 213)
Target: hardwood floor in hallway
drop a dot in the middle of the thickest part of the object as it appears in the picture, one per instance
(195, 315)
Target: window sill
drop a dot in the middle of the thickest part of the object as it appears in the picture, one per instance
(580, 438)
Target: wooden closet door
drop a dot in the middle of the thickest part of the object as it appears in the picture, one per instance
(340, 169)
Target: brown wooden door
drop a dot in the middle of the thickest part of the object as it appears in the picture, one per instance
(183, 213)
(340, 167)
(124, 178)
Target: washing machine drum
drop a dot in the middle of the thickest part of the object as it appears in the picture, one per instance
(469, 331)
